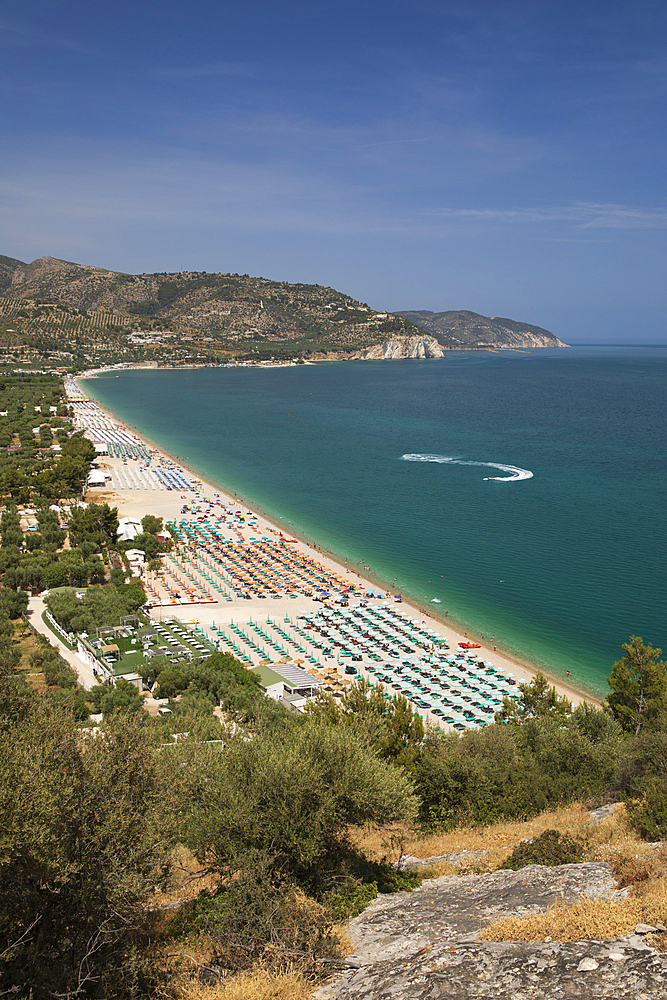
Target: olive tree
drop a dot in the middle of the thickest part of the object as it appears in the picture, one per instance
(292, 792)
(79, 849)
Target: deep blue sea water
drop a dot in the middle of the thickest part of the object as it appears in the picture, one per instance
(561, 567)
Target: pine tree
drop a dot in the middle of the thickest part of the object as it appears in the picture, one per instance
(638, 685)
(538, 699)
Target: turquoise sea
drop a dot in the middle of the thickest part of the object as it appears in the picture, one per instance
(561, 567)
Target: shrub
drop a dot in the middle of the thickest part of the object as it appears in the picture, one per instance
(346, 880)
(122, 697)
(260, 915)
(350, 899)
(80, 850)
(292, 793)
(648, 815)
(551, 848)
(13, 603)
(511, 771)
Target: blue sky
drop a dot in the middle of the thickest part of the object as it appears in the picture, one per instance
(504, 157)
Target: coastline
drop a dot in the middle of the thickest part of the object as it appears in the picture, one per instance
(443, 624)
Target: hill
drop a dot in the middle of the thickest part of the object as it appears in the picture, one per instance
(461, 328)
(216, 314)
(78, 314)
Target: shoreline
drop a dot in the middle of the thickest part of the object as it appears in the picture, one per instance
(522, 668)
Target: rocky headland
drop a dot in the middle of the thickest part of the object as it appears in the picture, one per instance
(462, 328)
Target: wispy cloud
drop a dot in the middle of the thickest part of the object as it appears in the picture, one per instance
(393, 142)
(583, 214)
(16, 33)
(623, 217)
(84, 188)
(207, 70)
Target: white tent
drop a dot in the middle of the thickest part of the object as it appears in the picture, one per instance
(128, 528)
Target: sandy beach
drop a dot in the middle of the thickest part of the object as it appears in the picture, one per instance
(211, 504)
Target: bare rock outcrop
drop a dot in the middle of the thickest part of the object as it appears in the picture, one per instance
(401, 347)
(424, 945)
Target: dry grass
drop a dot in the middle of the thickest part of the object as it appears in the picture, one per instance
(497, 840)
(187, 880)
(258, 984)
(613, 840)
(585, 919)
(636, 865)
(26, 641)
(95, 496)
(274, 978)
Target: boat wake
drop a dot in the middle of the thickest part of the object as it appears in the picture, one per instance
(445, 460)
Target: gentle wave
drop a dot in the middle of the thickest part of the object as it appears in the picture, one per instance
(444, 459)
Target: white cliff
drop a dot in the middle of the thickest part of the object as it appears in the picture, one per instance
(401, 347)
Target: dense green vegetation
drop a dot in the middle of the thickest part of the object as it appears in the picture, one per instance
(638, 696)
(80, 849)
(263, 799)
(515, 770)
(47, 538)
(34, 417)
(46, 545)
(34, 561)
(389, 725)
(265, 815)
(100, 607)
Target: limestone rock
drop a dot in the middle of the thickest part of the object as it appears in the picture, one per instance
(588, 965)
(401, 347)
(424, 945)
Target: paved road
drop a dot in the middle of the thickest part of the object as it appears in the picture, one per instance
(35, 608)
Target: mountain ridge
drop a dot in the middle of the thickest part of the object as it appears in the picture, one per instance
(166, 316)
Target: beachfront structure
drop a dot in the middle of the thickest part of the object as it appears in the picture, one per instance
(294, 658)
(122, 651)
(96, 478)
(128, 529)
(288, 683)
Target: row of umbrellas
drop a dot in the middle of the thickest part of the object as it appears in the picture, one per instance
(260, 566)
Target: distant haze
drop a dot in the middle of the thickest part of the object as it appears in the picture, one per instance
(465, 327)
